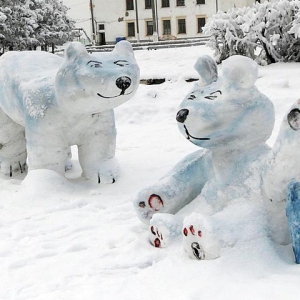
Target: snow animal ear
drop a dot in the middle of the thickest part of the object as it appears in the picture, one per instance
(74, 50)
(123, 48)
(293, 118)
(207, 69)
(240, 72)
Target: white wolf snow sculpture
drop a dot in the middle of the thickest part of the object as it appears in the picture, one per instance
(48, 103)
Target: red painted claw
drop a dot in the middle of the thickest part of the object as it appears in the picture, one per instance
(152, 230)
(185, 231)
(192, 230)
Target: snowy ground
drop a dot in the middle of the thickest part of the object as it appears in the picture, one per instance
(72, 239)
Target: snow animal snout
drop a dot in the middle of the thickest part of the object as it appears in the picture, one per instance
(123, 83)
(182, 115)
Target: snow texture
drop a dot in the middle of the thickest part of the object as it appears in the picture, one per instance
(74, 239)
(55, 103)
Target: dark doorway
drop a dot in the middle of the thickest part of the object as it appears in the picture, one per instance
(102, 38)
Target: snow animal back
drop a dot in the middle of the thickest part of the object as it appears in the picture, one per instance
(49, 103)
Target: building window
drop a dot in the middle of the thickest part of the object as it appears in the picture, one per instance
(180, 3)
(201, 24)
(101, 27)
(130, 29)
(181, 26)
(149, 26)
(166, 27)
(165, 3)
(148, 4)
(200, 1)
(129, 5)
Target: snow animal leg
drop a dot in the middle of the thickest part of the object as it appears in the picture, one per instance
(177, 188)
(12, 146)
(97, 150)
(293, 215)
(164, 228)
(199, 239)
(46, 149)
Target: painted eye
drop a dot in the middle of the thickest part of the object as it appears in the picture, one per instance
(94, 64)
(191, 97)
(121, 63)
(294, 119)
(213, 95)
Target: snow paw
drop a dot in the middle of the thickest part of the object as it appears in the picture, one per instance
(106, 172)
(156, 237)
(164, 229)
(147, 206)
(199, 240)
(106, 178)
(9, 167)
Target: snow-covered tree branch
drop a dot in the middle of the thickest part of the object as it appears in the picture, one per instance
(266, 32)
(25, 24)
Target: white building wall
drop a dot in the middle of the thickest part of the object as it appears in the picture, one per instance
(79, 10)
(113, 15)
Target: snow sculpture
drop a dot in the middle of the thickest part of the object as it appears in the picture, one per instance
(281, 182)
(49, 103)
(231, 119)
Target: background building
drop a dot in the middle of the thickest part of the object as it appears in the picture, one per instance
(133, 19)
(79, 10)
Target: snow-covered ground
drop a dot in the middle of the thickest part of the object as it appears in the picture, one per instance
(72, 239)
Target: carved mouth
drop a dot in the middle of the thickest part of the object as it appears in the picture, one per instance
(195, 138)
(121, 94)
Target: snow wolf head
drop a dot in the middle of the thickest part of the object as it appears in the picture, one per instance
(227, 111)
(91, 83)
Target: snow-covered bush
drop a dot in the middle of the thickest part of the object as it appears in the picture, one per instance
(267, 32)
(25, 24)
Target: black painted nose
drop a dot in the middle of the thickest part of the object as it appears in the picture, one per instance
(123, 83)
(181, 115)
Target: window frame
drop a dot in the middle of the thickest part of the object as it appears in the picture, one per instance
(180, 2)
(179, 25)
(199, 29)
(148, 4)
(148, 33)
(199, 2)
(133, 29)
(101, 27)
(164, 4)
(163, 26)
(129, 5)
